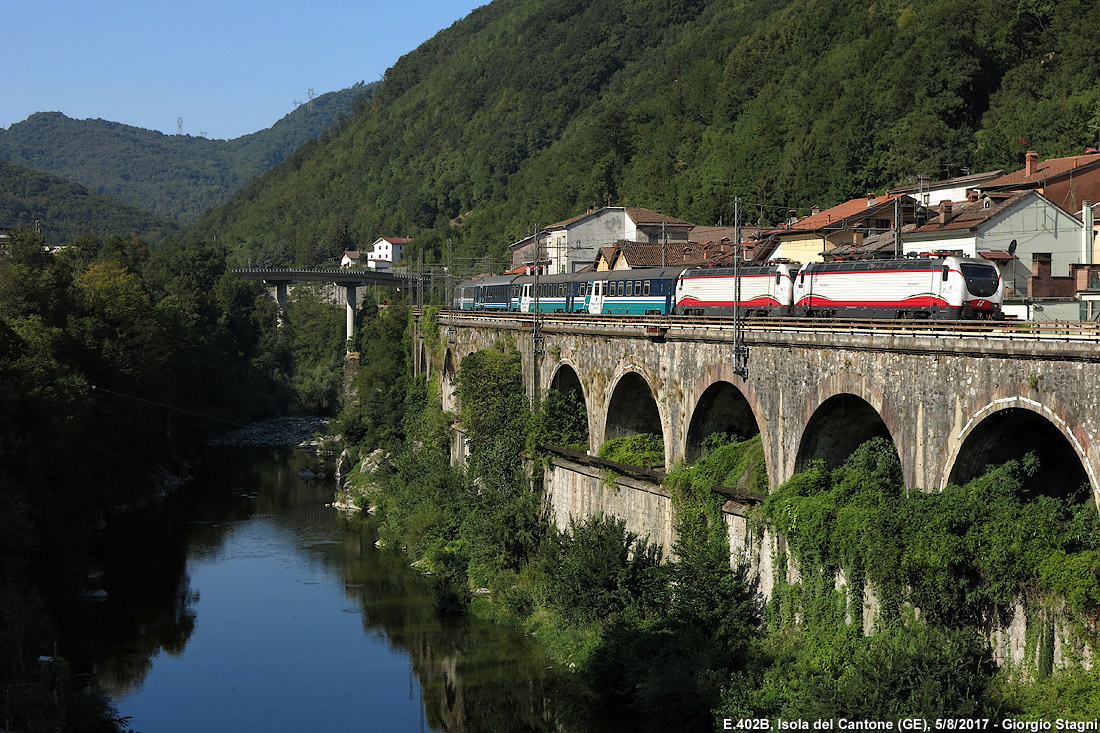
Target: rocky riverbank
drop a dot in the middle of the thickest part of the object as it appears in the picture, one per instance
(279, 432)
(353, 488)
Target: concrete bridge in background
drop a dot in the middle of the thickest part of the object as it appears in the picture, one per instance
(951, 399)
(281, 278)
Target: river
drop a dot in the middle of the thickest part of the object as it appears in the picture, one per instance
(245, 603)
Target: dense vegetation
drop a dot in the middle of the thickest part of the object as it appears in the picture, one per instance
(528, 112)
(176, 177)
(681, 640)
(117, 362)
(63, 211)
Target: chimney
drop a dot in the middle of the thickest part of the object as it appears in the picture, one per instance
(870, 200)
(972, 195)
(815, 210)
(1031, 162)
(1086, 232)
(945, 211)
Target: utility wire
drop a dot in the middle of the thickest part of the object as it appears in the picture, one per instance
(167, 407)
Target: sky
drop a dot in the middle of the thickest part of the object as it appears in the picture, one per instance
(227, 67)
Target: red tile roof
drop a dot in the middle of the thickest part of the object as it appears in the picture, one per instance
(971, 214)
(717, 234)
(1046, 169)
(640, 216)
(566, 222)
(649, 216)
(644, 254)
(396, 240)
(996, 255)
(839, 213)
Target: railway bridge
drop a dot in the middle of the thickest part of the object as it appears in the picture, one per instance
(952, 398)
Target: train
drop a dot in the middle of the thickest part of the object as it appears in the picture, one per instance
(942, 287)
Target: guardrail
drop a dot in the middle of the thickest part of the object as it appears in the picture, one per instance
(1081, 340)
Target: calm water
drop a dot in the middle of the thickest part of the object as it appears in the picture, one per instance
(246, 604)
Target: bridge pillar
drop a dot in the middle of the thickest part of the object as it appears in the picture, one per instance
(350, 290)
(280, 296)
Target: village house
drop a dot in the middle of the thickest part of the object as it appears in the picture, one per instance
(632, 255)
(1066, 182)
(930, 194)
(987, 226)
(388, 249)
(381, 256)
(574, 244)
(810, 238)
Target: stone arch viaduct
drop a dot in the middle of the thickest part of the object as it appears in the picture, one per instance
(951, 401)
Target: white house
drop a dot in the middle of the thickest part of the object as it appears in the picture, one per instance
(987, 225)
(387, 249)
(574, 243)
(931, 193)
(351, 258)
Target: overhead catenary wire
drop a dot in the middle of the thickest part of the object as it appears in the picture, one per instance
(166, 406)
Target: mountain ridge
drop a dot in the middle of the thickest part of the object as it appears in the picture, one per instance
(173, 176)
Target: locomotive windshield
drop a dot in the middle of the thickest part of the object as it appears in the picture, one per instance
(981, 280)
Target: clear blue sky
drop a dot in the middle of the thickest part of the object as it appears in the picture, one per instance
(227, 67)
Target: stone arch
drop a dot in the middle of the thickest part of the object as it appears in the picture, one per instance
(632, 407)
(566, 379)
(722, 407)
(992, 435)
(838, 425)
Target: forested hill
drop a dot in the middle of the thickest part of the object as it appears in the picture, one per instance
(174, 176)
(528, 111)
(65, 210)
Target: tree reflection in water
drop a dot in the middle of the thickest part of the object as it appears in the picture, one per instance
(474, 676)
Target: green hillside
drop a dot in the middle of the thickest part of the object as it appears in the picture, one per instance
(528, 112)
(174, 176)
(65, 210)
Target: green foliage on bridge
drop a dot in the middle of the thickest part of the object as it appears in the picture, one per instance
(644, 450)
(963, 557)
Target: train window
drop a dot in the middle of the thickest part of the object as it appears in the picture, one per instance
(629, 287)
(944, 275)
(637, 287)
(621, 288)
(778, 277)
(645, 288)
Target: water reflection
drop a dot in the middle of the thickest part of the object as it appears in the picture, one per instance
(247, 585)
